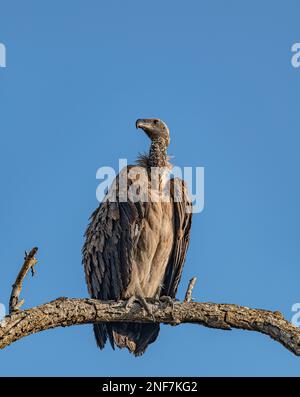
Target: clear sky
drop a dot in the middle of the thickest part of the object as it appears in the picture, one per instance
(79, 73)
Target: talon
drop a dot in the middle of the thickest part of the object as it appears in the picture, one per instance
(142, 301)
(130, 302)
(145, 305)
(167, 300)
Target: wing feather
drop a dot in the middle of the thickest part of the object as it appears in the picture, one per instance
(182, 226)
(107, 251)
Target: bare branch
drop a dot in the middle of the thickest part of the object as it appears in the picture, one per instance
(29, 262)
(64, 312)
(189, 291)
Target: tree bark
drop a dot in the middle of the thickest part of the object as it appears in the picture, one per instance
(29, 262)
(64, 312)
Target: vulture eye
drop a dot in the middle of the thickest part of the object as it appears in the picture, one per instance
(155, 122)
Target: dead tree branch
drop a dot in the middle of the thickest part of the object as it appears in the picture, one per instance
(29, 262)
(64, 312)
(189, 291)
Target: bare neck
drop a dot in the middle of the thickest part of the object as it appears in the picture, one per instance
(158, 153)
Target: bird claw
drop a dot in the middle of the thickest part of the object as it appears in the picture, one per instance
(142, 301)
(167, 300)
(128, 305)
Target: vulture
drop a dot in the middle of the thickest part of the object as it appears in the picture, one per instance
(135, 248)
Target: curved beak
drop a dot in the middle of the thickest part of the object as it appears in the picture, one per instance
(141, 123)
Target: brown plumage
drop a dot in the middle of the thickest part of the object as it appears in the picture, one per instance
(137, 248)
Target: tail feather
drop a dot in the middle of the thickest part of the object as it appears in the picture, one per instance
(100, 334)
(133, 336)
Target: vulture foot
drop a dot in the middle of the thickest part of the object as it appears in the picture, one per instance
(167, 300)
(142, 301)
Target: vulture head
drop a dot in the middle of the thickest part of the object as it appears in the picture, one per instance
(155, 129)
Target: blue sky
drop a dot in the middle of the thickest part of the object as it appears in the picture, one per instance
(219, 73)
